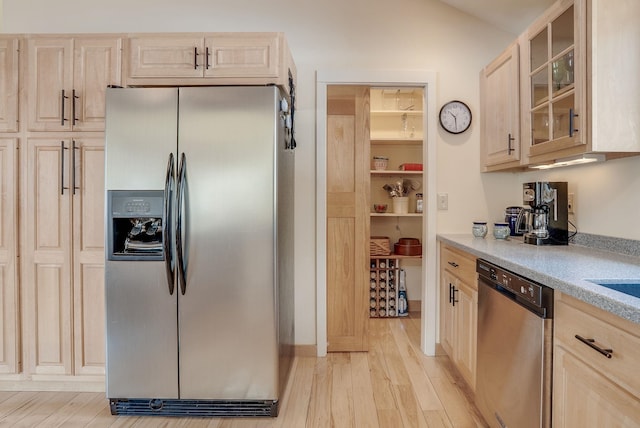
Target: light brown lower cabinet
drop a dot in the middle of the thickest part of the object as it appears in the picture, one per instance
(63, 261)
(596, 368)
(459, 310)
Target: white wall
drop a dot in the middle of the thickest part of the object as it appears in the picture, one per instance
(607, 196)
(359, 34)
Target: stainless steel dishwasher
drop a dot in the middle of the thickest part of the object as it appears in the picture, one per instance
(515, 325)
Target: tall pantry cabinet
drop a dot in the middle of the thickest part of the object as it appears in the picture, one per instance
(9, 336)
(9, 140)
(63, 209)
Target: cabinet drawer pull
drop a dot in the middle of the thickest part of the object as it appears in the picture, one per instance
(454, 264)
(591, 343)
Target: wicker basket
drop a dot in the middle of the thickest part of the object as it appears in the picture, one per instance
(379, 246)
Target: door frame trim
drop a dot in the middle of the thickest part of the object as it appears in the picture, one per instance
(416, 78)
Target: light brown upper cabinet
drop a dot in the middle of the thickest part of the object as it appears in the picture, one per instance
(500, 123)
(9, 69)
(582, 80)
(67, 79)
(209, 58)
(578, 87)
(347, 218)
(556, 73)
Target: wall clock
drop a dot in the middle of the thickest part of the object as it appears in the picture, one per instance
(455, 117)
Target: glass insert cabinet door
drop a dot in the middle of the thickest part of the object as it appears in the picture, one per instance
(552, 80)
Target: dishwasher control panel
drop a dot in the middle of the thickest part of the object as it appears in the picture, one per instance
(521, 288)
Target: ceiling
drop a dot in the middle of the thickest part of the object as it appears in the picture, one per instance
(513, 16)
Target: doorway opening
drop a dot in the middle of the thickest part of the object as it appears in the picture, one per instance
(402, 130)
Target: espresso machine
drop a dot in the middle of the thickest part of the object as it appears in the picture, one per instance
(545, 217)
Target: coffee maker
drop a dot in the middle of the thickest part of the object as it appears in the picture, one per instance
(545, 217)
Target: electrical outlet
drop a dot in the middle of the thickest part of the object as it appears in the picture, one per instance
(571, 202)
(443, 201)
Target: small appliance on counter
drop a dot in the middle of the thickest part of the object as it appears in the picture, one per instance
(545, 218)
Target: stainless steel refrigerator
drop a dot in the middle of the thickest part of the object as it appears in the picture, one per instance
(199, 258)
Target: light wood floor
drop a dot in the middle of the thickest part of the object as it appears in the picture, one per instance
(391, 386)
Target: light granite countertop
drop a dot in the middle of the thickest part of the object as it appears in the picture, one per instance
(563, 268)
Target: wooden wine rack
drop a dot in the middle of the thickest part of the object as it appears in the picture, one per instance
(383, 287)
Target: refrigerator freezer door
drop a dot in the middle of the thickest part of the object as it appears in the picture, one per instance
(227, 315)
(141, 132)
(142, 335)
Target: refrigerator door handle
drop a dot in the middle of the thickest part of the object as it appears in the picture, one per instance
(167, 239)
(182, 264)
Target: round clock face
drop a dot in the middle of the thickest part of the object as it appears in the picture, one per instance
(455, 117)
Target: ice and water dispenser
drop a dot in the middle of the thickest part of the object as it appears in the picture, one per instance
(135, 225)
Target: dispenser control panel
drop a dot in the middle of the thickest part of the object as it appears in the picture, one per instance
(137, 204)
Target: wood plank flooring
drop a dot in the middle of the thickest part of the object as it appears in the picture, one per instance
(393, 385)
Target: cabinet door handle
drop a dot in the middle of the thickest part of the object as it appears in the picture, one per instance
(592, 344)
(195, 58)
(450, 292)
(454, 300)
(74, 97)
(62, 119)
(62, 149)
(73, 166)
(509, 148)
(454, 264)
(207, 54)
(572, 116)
